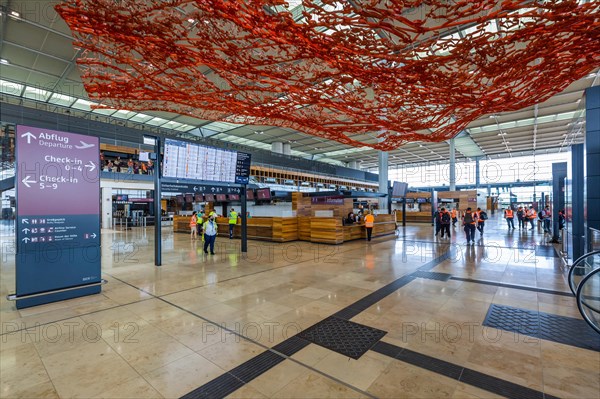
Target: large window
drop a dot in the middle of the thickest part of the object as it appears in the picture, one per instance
(504, 170)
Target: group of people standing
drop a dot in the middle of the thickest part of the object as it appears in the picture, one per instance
(206, 228)
(471, 221)
(529, 215)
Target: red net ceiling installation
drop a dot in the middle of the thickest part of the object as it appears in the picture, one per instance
(347, 71)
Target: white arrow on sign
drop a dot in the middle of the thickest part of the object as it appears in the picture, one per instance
(26, 181)
(29, 136)
(93, 235)
(84, 145)
(212, 189)
(26, 230)
(25, 221)
(91, 166)
(195, 188)
(26, 240)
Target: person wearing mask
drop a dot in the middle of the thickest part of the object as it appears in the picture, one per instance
(469, 222)
(369, 223)
(481, 218)
(531, 215)
(210, 234)
(454, 215)
(509, 216)
(521, 217)
(445, 220)
(193, 225)
(546, 218)
(437, 221)
(232, 222)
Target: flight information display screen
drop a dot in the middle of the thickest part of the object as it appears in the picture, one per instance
(183, 160)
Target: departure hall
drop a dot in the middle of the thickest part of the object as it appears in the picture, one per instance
(299, 199)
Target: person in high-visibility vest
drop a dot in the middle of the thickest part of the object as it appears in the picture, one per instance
(193, 222)
(454, 215)
(509, 216)
(199, 221)
(469, 222)
(232, 222)
(369, 223)
(531, 215)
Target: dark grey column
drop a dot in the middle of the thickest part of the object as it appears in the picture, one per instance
(559, 174)
(452, 165)
(592, 157)
(576, 228)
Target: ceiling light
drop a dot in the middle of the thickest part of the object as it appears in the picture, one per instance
(15, 14)
(4, 61)
(191, 20)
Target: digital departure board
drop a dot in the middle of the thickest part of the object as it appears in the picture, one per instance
(183, 160)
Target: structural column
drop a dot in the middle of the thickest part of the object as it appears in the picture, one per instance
(353, 164)
(592, 157)
(452, 165)
(576, 236)
(287, 149)
(383, 180)
(277, 147)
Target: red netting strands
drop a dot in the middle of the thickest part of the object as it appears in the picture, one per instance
(379, 73)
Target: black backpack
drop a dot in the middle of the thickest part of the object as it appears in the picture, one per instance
(468, 218)
(446, 218)
(483, 215)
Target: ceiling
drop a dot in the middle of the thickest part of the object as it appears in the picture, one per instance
(38, 64)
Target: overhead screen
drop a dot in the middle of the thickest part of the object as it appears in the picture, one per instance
(185, 160)
(399, 190)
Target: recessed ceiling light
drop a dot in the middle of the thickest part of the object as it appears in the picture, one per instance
(191, 20)
(15, 14)
(4, 61)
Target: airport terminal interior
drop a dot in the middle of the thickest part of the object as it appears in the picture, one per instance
(299, 199)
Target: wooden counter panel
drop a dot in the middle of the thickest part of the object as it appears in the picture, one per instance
(353, 232)
(304, 228)
(326, 230)
(181, 224)
(415, 217)
(285, 229)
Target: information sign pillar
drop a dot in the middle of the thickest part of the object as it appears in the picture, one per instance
(244, 220)
(58, 216)
(157, 206)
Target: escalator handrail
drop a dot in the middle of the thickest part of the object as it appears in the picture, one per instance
(572, 270)
(580, 302)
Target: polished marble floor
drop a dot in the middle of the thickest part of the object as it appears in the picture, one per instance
(171, 330)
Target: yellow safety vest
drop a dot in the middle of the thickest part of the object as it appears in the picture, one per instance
(233, 217)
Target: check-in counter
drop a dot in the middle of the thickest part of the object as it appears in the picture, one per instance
(283, 229)
(278, 229)
(415, 217)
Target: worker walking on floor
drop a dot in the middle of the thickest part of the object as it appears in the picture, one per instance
(436, 221)
(469, 222)
(369, 223)
(481, 218)
(521, 217)
(509, 216)
(232, 222)
(210, 234)
(532, 216)
(454, 215)
(445, 220)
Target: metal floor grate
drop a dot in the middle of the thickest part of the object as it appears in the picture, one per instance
(432, 275)
(343, 336)
(561, 329)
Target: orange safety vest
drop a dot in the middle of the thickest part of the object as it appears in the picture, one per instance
(453, 213)
(193, 221)
(369, 220)
(508, 213)
(532, 214)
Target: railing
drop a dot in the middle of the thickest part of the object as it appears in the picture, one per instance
(584, 282)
